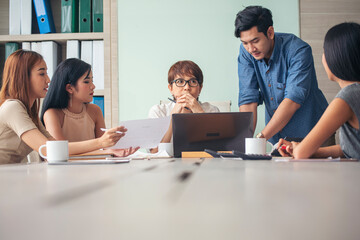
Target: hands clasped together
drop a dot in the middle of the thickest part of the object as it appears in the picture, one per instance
(187, 104)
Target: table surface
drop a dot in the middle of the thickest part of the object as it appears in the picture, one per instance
(181, 199)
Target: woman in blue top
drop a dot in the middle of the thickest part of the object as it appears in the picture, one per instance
(341, 60)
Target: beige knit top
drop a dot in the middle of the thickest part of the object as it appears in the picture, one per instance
(78, 126)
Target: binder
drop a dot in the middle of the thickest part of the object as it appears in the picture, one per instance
(44, 16)
(72, 49)
(14, 17)
(10, 47)
(86, 52)
(85, 15)
(26, 17)
(36, 47)
(34, 24)
(69, 16)
(98, 64)
(49, 51)
(99, 100)
(26, 46)
(97, 15)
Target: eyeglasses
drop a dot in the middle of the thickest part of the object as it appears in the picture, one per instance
(181, 82)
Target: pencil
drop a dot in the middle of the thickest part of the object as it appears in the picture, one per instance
(174, 101)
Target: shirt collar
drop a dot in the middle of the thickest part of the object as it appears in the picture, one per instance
(276, 51)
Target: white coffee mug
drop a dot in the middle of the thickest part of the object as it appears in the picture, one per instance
(168, 147)
(256, 145)
(56, 151)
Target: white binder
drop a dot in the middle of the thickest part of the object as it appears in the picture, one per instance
(26, 17)
(72, 49)
(98, 63)
(36, 47)
(87, 51)
(14, 17)
(49, 50)
(26, 45)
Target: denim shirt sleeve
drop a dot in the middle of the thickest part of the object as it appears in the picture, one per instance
(248, 85)
(300, 74)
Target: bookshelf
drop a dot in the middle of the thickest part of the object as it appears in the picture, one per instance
(109, 36)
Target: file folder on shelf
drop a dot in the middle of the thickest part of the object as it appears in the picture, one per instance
(26, 45)
(69, 16)
(14, 17)
(99, 100)
(85, 15)
(36, 47)
(50, 53)
(97, 15)
(86, 52)
(26, 17)
(72, 49)
(44, 16)
(34, 24)
(10, 47)
(98, 64)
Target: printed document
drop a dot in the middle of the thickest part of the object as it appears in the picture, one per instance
(144, 133)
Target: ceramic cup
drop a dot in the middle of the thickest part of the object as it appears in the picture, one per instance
(56, 151)
(256, 145)
(168, 147)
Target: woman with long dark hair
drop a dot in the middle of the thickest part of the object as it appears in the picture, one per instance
(67, 112)
(25, 81)
(341, 60)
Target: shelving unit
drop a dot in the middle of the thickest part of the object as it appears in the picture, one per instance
(109, 36)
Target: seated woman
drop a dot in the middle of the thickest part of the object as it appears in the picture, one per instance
(185, 82)
(25, 81)
(67, 112)
(341, 62)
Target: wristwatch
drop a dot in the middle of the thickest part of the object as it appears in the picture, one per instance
(260, 135)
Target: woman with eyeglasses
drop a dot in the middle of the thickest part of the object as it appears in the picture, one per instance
(185, 82)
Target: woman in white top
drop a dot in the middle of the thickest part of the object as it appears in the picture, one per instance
(25, 81)
(185, 82)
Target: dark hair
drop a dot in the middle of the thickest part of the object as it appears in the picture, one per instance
(184, 68)
(342, 51)
(16, 80)
(67, 72)
(253, 16)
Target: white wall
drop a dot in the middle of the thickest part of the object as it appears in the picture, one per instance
(154, 34)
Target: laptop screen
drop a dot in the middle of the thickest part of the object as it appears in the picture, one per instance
(216, 131)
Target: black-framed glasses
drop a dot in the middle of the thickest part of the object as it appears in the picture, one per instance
(193, 82)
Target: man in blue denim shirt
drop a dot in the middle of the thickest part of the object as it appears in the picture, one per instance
(278, 69)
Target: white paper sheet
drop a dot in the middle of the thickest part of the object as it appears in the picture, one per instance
(143, 133)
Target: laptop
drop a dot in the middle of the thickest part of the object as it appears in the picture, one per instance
(223, 131)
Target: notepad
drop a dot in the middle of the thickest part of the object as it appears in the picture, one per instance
(91, 155)
(86, 162)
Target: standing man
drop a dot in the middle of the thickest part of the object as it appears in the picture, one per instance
(278, 69)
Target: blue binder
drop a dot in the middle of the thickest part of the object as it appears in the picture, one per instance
(44, 16)
(99, 100)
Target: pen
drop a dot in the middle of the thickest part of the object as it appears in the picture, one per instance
(174, 101)
(104, 130)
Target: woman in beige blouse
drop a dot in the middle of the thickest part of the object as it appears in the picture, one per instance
(25, 81)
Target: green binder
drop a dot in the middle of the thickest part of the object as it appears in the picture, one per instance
(10, 47)
(85, 15)
(97, 15)
(69, 16)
